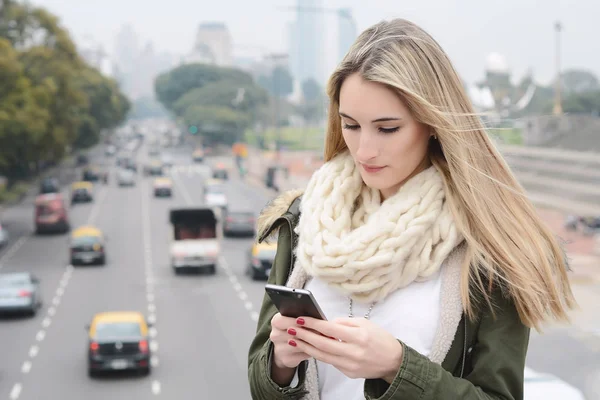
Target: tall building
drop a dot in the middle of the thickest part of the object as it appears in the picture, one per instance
(307, 50)
(347, 32)
(213, 45)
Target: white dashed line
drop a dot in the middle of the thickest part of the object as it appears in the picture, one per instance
(149, 272)
(60, 291)
(248, 305)
(243, 296)
(46, 322)
(40, 335)
(12, 250)
(51, 311)
(26, 367)
(33, 351)
(156, 388)
(254, 316)
(237, 287)
(16, 391)
(56, 301)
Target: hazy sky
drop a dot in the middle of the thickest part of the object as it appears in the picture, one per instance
(521, 30)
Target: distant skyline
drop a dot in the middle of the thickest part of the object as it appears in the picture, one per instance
(469, 30)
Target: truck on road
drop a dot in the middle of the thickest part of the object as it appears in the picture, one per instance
(194, 242)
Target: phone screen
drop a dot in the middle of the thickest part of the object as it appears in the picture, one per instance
(294, 303)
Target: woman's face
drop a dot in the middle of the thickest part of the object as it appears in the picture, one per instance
(388, 145)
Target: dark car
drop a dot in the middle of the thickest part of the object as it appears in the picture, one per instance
(239, 223)
(220, 173)
(87, 246)
(19, 293)
(118, 341)
(49, 185)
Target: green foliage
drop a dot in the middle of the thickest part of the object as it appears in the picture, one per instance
(50, 100)
(220, 102)
(279, 83)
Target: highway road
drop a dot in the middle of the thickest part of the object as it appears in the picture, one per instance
(203, 324)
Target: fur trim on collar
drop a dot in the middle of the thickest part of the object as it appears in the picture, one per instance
(273, 210)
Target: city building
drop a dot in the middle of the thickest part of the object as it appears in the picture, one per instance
(213, 45)
(347, 32)
(307, 50)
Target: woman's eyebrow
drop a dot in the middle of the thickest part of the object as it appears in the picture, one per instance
(383, 119)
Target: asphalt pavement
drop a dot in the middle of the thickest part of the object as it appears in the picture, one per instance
(203, 324)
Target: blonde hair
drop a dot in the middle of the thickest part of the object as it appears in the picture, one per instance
(508, 245)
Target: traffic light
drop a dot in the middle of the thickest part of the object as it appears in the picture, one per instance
(193, 129)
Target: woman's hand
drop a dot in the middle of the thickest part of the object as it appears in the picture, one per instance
(285, 354)
(362, 349)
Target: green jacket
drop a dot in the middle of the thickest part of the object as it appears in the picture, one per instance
(486, 358)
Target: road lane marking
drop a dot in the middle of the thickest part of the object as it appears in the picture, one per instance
(56, 301)
(254, 316)
(156, 387)
(40, 335)
(12, 250)
(16, 391)
(46, 322)
(150, 281)
(237, 287)
(26, 367)
(243, 296)
(51, 311)
(248, 305)
(33, 351)
(60, 291)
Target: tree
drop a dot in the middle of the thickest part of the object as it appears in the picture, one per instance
(221, 102)
(311, 91)
(50, 100)
(217, 124)
(170, 86)
(579, 81)
(278, 83)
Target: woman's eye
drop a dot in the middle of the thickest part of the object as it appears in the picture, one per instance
(351, 127)
(389, 130)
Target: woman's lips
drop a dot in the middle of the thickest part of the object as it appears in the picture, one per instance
(371, 169)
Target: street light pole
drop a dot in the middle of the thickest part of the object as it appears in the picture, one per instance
(557, 95)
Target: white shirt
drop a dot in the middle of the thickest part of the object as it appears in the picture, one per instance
(410, 314)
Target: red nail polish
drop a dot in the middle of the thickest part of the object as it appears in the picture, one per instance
(292, 331)
(292, 343)
(300, 321)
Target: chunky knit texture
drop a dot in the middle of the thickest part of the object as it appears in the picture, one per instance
(366, 248)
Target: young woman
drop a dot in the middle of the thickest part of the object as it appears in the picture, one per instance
(421, 248)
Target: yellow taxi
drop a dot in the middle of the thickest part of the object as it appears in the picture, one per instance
(88, 246)
(117, 341)
(260, 260)
(82, 192)
(163, 187)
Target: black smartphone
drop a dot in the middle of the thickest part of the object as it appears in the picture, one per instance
(294, 303)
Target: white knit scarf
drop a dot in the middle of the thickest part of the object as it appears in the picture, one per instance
(365, 248)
